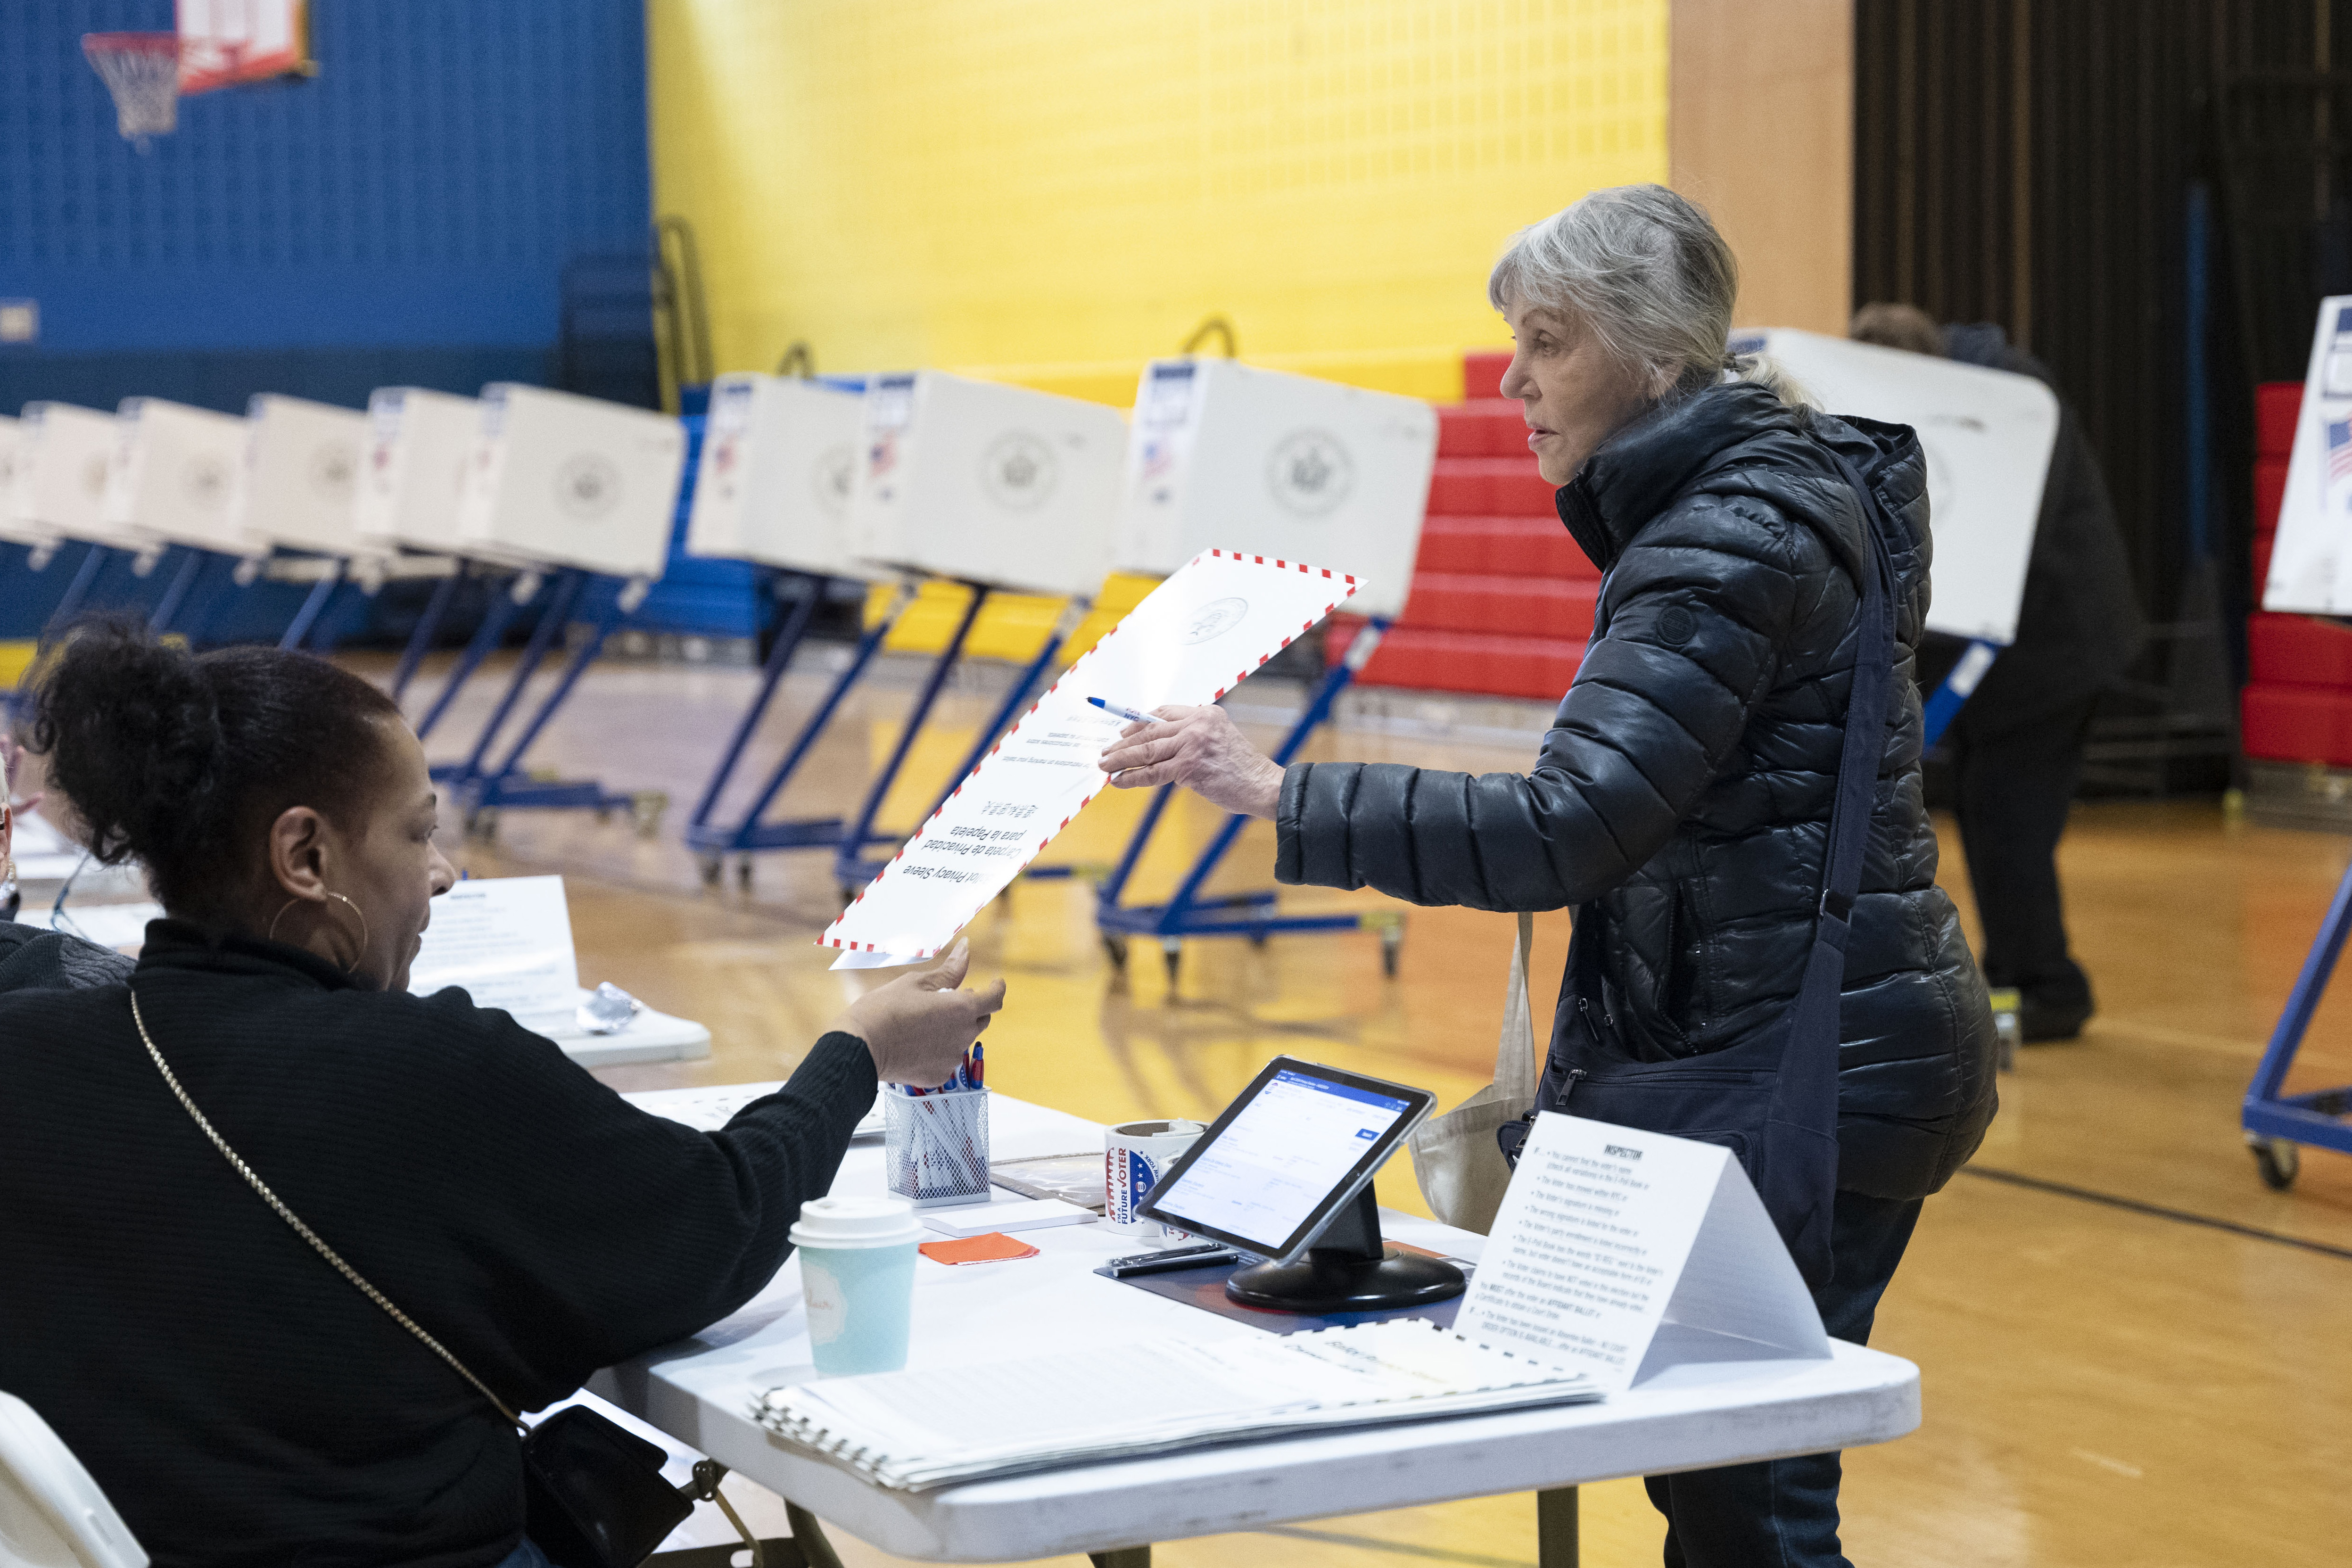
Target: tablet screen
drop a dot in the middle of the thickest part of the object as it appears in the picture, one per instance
(1281, 1153)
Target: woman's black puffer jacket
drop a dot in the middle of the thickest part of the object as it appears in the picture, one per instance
(1682, 801)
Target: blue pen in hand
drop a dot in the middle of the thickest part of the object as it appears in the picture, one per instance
(1129, 714)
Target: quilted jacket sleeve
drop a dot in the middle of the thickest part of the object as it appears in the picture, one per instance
(1696, 613)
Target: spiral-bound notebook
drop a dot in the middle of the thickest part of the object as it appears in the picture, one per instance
(916, 1430)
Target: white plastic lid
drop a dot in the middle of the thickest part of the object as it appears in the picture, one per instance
(856, 1222)
(1178, 1129)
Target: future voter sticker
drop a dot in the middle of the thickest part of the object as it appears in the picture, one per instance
(835, 473)
(205, 481)
(1310, 473)
(1018, 471)
(1216, 618)
(587, 486)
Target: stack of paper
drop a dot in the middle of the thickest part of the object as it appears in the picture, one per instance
(916, 1430)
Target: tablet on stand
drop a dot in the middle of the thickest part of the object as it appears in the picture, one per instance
(1285, 1173)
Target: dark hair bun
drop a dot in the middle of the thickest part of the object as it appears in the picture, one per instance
(182, 760)
(133, 736)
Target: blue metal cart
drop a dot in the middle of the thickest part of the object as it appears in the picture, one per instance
(713, 842)
(2278, 1124)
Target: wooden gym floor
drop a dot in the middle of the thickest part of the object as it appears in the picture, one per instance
(2133, 1351)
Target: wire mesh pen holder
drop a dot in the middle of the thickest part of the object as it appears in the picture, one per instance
(935, 1146)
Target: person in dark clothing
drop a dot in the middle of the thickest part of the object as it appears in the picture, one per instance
(2015, 748)
(239, 1401)
(30, 955)
(1682, 798)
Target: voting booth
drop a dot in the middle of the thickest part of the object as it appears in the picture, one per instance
(1227, 456)
(987, 483)
(778, 471)
(572, 481)
(413, 469)
(1988, 436)
(58, 482)
(32, 535)
(301, 474)
(175, 476)
(2315, 511)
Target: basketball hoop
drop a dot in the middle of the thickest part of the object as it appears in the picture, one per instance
(141, 70)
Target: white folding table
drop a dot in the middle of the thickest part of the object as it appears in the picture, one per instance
(1688, 1416)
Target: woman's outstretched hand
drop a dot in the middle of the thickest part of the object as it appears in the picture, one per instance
(918, 1027)
(1202, 749)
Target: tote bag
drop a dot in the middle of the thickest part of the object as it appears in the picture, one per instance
(1456, 1157)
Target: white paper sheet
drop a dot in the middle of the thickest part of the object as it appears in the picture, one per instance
(1607, 1233)
(1192, 640)
(508, 940)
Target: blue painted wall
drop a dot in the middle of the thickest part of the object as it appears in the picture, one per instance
(424, 192)
(403, 218)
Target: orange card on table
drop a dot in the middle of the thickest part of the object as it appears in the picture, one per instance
(993, 1247)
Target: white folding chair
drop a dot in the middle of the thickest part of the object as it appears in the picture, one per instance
(52, 1515)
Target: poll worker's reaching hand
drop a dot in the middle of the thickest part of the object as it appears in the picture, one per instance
(918, 1027)
(1202, 749)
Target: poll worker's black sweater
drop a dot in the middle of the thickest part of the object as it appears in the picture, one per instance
(237, 1399)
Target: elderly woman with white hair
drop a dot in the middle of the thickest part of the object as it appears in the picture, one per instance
(1766, 580)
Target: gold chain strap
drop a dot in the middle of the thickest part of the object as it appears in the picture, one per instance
(304, 1231)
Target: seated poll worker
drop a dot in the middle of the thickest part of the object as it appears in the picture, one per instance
(236, 1398)
(1681, 801)
(31, 955)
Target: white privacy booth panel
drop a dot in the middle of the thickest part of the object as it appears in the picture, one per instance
(1987, 435)
(301, 474)
(12, 531)
(572, 481)
(779, 467)
(57, 483)
(2307, 575)
(412, 482)
(175, 476)
(1003, 485)
(1228, 457)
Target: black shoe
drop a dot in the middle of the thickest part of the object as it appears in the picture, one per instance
(2040, 1021)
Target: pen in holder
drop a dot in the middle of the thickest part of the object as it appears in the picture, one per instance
(935, 1146)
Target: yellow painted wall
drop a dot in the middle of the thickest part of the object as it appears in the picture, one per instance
(1053, 191)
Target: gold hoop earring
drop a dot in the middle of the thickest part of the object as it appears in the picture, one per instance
(354, 964)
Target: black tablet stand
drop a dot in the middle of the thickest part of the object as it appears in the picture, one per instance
(1348, 1269)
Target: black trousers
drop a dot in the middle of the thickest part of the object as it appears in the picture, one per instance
(1783, 1513)
(2012, 783)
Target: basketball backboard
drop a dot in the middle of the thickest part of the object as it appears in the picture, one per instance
(235, 42)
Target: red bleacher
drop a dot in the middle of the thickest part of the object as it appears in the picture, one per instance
(1502, 598)
(2298, 705)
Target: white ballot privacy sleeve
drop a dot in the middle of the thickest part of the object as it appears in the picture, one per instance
(1192, 640)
